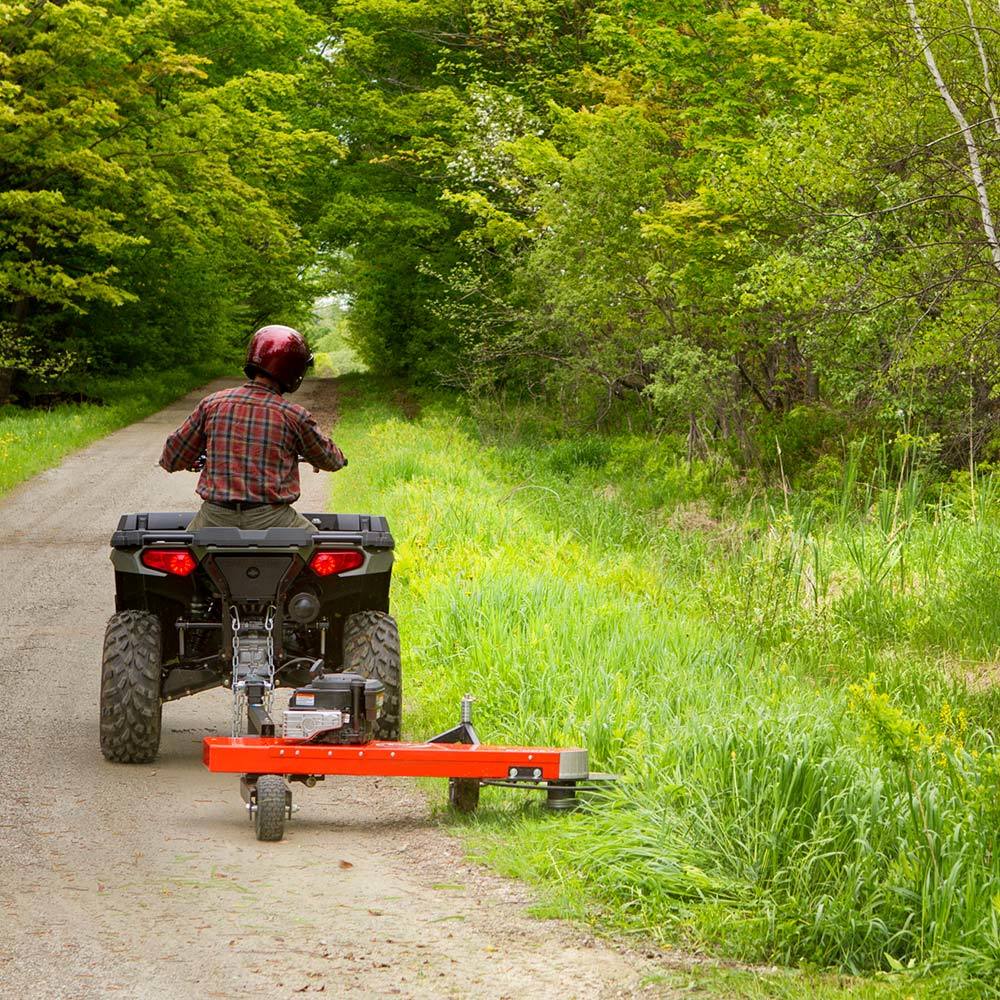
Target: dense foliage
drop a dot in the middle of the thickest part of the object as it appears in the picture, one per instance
(721, 211)
(157, 164)
(716, 214)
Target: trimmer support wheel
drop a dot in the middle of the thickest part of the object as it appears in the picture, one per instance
(463, 794)
(270, 805)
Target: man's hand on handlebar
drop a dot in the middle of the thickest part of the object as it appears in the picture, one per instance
(339, 467)
(315, 468)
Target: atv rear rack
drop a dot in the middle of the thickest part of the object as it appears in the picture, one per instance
(456, 755)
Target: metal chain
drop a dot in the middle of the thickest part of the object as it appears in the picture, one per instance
(238, 685)
(234, 613)
(239, 693)
(239, 714)
(269, 629)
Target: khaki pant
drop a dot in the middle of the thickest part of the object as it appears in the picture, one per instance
(278, 515)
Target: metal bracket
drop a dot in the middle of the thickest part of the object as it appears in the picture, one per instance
(261, 723)
(559, 794)
(464, 732)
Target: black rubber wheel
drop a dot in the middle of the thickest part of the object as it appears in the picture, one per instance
(131, 708)
(371, 649)
(269, 817)
(463, 794)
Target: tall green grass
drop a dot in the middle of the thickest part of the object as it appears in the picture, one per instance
(800, 703)
(36, 439)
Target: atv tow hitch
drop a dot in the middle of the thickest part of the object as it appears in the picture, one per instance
(268, 764)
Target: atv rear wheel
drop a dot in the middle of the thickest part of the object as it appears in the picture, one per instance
(371, 649)
(272, 805)
(131, 707)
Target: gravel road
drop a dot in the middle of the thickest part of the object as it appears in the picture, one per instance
(146, 881)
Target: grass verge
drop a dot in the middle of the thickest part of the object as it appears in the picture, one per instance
(802, 709)
(34, 440)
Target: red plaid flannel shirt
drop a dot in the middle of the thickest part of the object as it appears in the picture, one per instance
(252, 439)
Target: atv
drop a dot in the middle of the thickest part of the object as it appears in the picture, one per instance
(250, 611)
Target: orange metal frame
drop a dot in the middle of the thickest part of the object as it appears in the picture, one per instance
(272, 755)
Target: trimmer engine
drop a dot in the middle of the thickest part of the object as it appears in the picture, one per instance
(336, 708)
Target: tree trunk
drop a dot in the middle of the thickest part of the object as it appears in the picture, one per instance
(806, 381)
(971, 149)
(812, 384)
(985, 64)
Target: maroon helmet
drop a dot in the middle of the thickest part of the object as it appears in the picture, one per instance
(280, 353)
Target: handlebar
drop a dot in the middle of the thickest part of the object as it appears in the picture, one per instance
(199, 463)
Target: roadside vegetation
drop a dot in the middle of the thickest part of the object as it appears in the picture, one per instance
(800, 691)
(35, 439)
(158, 166)
(714, 213)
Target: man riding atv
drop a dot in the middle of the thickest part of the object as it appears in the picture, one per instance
(247, 441)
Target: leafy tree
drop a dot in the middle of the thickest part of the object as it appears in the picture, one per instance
(738, 210)
(721, 213)
(154, 161)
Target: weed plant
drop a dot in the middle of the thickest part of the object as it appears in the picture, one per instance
(799, 699)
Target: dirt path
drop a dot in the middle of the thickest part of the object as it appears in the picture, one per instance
(146, 881)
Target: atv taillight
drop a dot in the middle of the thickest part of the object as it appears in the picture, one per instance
(337, 561)
(176, 562)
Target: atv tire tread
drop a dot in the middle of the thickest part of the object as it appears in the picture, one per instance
(371, 649)
(269, 817)
(131, 707)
